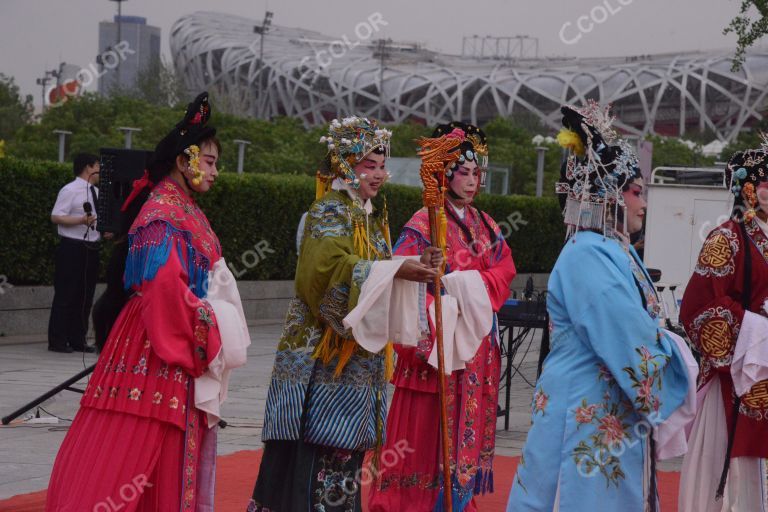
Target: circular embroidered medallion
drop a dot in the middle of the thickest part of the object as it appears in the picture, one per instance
(716, 338)
(716, 252)
(757, 398)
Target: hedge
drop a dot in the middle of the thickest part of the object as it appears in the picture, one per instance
(254, 215)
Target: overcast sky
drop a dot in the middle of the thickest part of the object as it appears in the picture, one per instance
(36, 35)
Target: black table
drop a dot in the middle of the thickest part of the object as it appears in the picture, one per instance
(518, 322)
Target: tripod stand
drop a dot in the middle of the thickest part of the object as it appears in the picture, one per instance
(66, 385)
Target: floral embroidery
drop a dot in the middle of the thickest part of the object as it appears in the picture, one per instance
(540, 400)
(178, 375)
(157, 398)
(336, 483)
(649, 377)
(120, 367)
(97, 392)
(173, 403)
(204, 315)
(610, 421)
(585, 413)
(141, 366)
(134, 394)
(113, 391)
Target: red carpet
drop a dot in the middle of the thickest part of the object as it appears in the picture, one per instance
(236, 474)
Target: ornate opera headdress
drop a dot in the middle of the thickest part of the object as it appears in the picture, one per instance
(598, 167)
(349, 141)
(474, 146)
(184, 138)
(744, 172)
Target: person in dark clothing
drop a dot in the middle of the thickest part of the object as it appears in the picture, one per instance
(77, 258)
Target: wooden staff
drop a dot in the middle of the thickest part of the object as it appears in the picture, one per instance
(435, 154)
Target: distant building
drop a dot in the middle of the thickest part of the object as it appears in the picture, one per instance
(121, 59)
(316, 77)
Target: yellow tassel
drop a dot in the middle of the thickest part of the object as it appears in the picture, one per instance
(345, 354)
(389, 361)
(385, 224)
(569, 139)
(359, 239)
(325, 349)
(322, 185)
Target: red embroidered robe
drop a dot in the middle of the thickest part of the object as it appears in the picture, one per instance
(413, 483)
(712, 314)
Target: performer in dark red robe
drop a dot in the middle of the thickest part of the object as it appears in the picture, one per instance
(724, 313)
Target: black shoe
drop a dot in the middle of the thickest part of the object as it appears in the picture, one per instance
(62, 350)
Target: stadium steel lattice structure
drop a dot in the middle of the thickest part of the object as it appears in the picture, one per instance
(315, 77)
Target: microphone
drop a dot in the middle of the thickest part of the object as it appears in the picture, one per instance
(88, 211)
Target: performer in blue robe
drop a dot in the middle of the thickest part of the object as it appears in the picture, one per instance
(613, 376)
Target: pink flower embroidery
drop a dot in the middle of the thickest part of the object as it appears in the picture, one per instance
(605, 373)
(97, 393)
(134, 394)
(173, 403)
(540, 400)
(645, 354)
(645, 389)
(612, 429)
(585, 414)
(157, 398)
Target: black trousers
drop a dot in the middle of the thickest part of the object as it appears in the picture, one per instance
(74, 281)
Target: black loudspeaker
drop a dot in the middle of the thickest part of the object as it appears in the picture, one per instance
(119, 168)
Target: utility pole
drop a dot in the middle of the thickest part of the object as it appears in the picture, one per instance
(261, 30)
(43, 83)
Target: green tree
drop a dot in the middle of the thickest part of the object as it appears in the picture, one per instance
(15, 111)
(159, 85)
(747, 29)
(668, 151)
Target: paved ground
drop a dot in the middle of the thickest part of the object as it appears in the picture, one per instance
(27, 370)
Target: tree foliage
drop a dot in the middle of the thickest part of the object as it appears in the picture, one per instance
(15, 111)
(748, 29)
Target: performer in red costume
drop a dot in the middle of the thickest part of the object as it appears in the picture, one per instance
(143, 438)
(477, 251)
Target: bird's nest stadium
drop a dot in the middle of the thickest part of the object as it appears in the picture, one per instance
(316, 77)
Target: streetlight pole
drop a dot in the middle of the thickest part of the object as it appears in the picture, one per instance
(540, 150)
(62, 142)
(241, 153)
(261, 30)
(128, 132)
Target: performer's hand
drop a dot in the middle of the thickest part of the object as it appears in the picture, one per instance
(432, 257)
(89, 219)
(412, 270)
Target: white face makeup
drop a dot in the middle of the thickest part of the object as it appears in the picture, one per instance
(372, 173)
(465, 182)
(634, 199)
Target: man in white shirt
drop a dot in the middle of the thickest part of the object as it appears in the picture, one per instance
(77, 258)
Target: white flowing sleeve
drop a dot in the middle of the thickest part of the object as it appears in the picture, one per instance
(387, 309)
